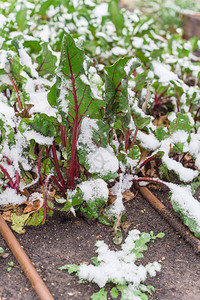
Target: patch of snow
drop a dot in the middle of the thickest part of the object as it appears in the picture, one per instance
(39, 138)
(128, 65)
(148, 141)
(103, 161)
(3, 21)
(84, 79)
(85, 136)
(186, 202)
(118, 51)
(94, 189)
(137, 42)
(25, 59)
(117, 207)
(118, 265)
(163, 72)
(10, 196)
(185, 174)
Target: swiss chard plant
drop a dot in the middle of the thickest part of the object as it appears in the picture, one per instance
(89, 103)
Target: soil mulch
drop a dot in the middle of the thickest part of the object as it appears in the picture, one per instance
(65, 239)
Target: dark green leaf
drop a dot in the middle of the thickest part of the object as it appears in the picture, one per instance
(116, 16)
(140, 119)
(161, 134)
(46, 61)
(42, 124)
(117, 103)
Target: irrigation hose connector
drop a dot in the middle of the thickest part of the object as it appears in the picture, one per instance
(24, 261)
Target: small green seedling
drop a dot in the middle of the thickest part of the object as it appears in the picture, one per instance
(11, 264)
(159, 235)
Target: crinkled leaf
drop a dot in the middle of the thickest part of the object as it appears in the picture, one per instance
(31, 153)
(45, 166)
(46, 61)
(140, 244)
(182, 122)
(91, 208)
(6, 133)
(140, 119)
(34, 45)
(73, 200)
(71, 94)
(117, 103)
(134, 152)
(140, 81)
(42, 124)
(104, 219)
(16, 68)
(161, 134)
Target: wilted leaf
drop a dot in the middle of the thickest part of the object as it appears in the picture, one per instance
(18, 222)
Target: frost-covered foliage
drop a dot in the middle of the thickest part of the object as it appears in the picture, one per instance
(120, 268)
(83, 86)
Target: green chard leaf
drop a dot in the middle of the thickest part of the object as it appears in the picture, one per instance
(116, 16)
(117, 103)
(45, 6)
(46, 60)
(72, 94)
(21, 18)
(140, 119)
(42, 128)
(100, 295)
(182, 122)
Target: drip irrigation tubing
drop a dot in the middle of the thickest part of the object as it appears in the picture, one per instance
(166, 214)
(24, 261)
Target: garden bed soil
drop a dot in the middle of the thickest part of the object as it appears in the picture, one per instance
(65, 239)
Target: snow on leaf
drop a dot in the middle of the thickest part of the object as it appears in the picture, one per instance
(42, 129)
(117, 76)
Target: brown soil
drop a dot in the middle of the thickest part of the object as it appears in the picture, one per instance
(65, 239)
